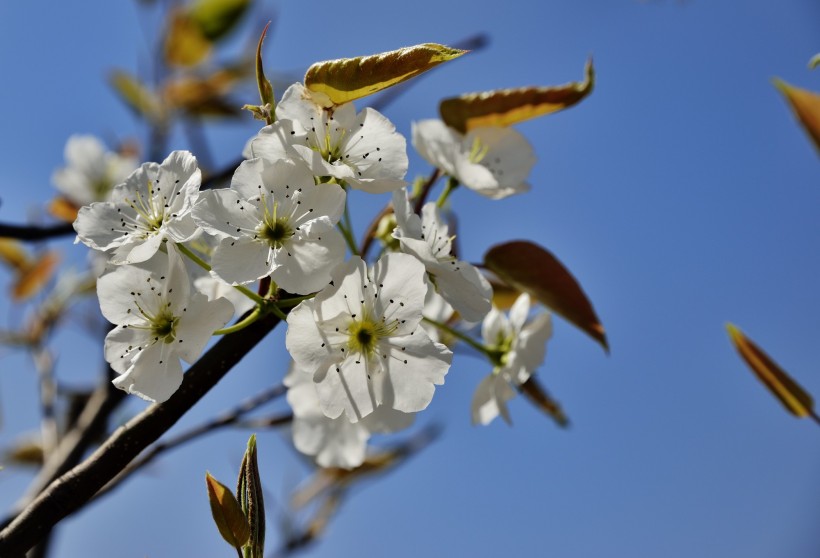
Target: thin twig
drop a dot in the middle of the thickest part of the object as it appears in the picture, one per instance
(74, 489)
(227, 418)
(36, 232)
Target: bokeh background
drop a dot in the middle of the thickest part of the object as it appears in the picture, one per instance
(681, 194)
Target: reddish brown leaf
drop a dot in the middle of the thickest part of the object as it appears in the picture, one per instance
(806, 107)
(793, 397)
(228, 516)
(530, 268)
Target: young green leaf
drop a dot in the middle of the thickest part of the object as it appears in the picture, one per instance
(530, 268)
(336, 82)
(185, 43)
(806, 107)
(504, 107)
(249, 495)
(228, 516)
(796, 400)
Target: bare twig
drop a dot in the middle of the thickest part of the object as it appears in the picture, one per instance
(74, 489)
(36, 232)
(227, 418)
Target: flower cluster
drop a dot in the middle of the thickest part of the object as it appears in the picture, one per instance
(369, 339)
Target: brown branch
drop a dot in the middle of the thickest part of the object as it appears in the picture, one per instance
(74, 489)
(36, 232)
(227, 418)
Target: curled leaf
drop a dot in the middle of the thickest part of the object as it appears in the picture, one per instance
(793, 397)
(504, 107)
(228, 516)
(806, 107)
(335, 82)
(530, 268)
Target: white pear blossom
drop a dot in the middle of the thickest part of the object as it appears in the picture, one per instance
(152, 205)
(159, 321)
(274, 221)
(494, 161)
(334, 442)
(520, 346)
(363, 150)
(362, 341)
(91, 171)
(427, 238)
(438, 310)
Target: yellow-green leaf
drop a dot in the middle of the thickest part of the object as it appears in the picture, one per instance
(530, 268)
(185, 42)
(504, 107)
(815, 61)
(806, 107)
(138, 97)
(335, 82)
(228, 516)
(217, 18)
(796, 400)
(538, 396)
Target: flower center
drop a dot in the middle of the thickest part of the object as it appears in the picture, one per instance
(478, 151)
(364, 335)
(276, 231)
(164, 326)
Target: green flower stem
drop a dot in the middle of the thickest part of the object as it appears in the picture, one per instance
(346, 226)
(491, 354)
(291, 302)
(252, 317)
(452, 184)
(201, 263)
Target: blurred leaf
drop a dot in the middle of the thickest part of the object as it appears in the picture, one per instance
(249, 495)
(504, 107)
(204, 96)
(25, 453)
(138, 98)
(815, 61)
(791, 395)
(340, 81)
(228, 516)
(532, 269)
(806, 107)
(13, 254)
(503, 295)
(185, 42)
(63, 209)
(217, 18)
(539, 397)
(31, 280)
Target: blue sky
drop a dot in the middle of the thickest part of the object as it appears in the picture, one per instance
(681, 194)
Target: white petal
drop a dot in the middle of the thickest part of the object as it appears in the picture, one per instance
(519, 312)
(385, 419)
(494, 327)
(490, 400)
(436, 143)
(122, 346)
(155, 374)
(241, 261)
(531, 346)
(114, 293)
(215, 288)
(197, 323)
(377, 152)
(345, 388)
(465, 288)
(414, 366)
(402, 289)
(144, 250)
(407, 222)
(342, 298)
(307, 262)
(503, 169)
(306, 343)
(98, 226)
(224, 213)
(297, 105)
(275, 142)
